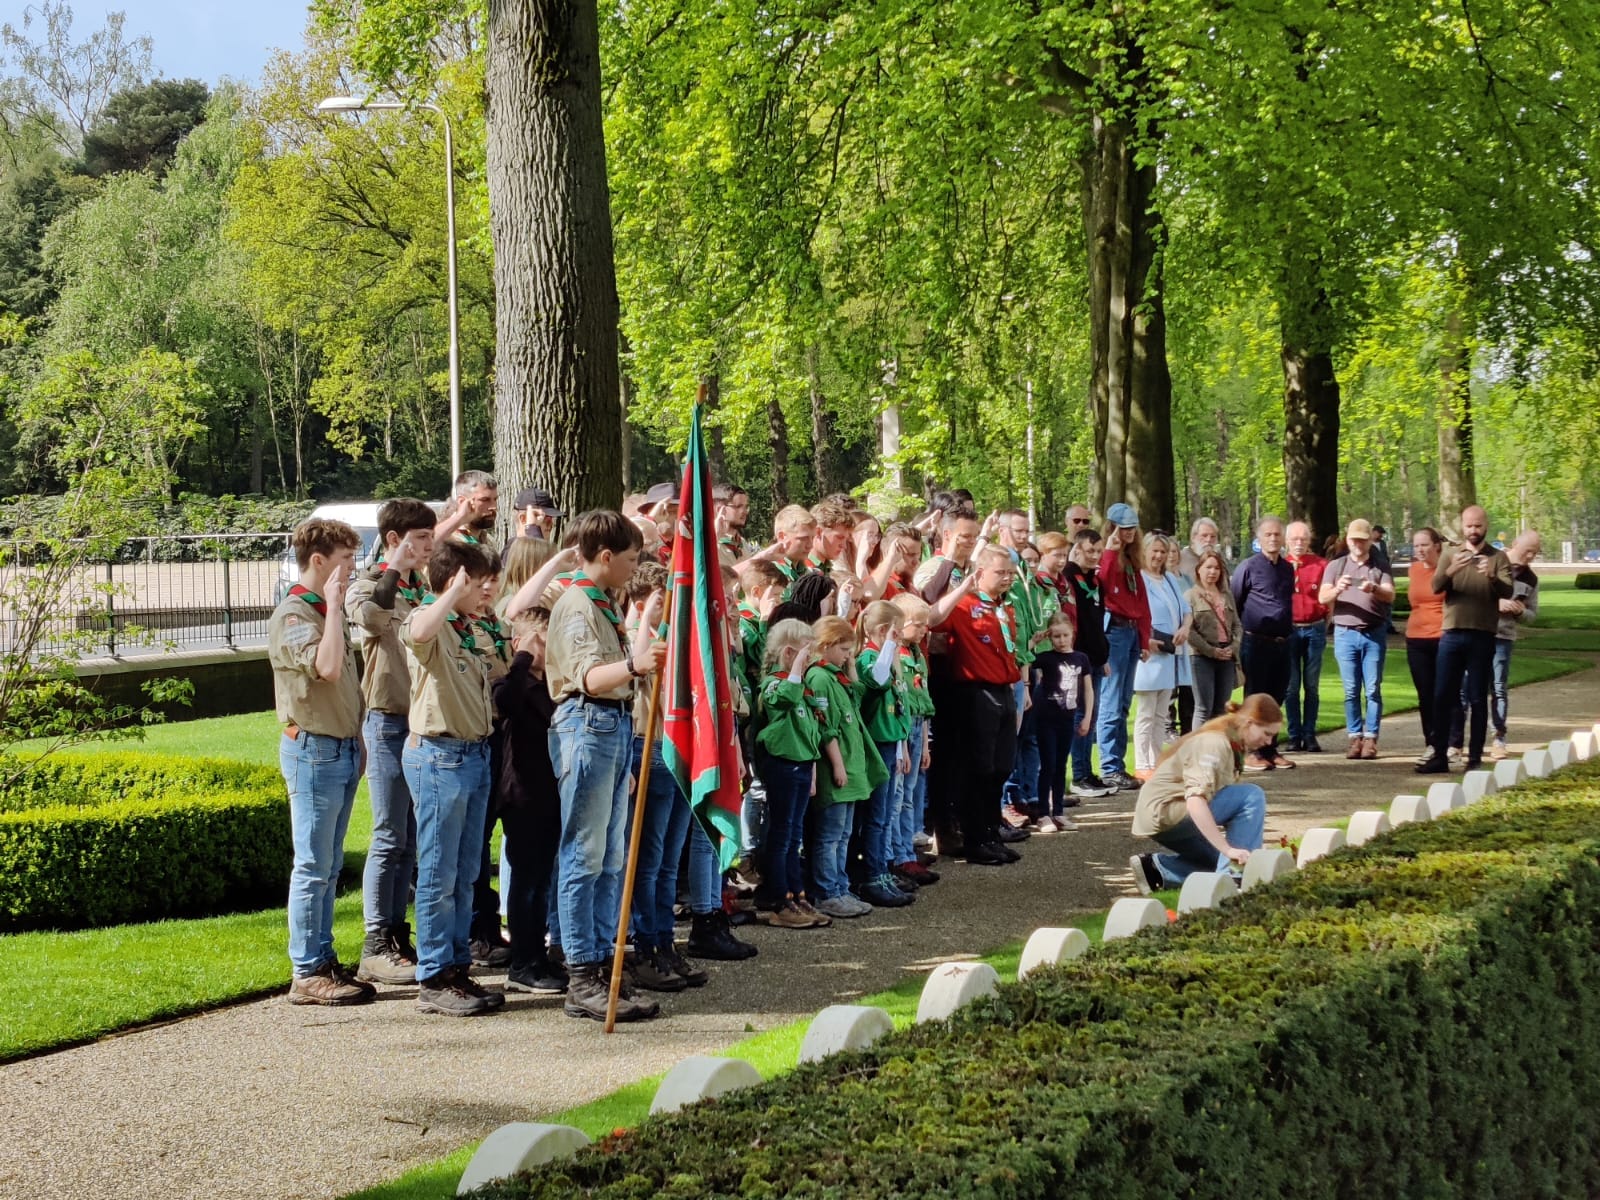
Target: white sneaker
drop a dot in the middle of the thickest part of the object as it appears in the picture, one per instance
(1424, 756)
(1454, 754)
(1065, 824)
(1045, 825)
(1498, 750)
(840, 906)
(922, 841)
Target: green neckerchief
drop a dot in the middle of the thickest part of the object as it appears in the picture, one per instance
(602, 601)
(411, 588)
(461, 625)
(1000, 609)
(490, 624)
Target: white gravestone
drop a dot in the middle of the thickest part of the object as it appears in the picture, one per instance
(1560, 753)
(1475, 785)
(1584, 744)
(1264, 866)
(1364, 826)
(1509, 772)
(1445, 797)
(1537, 763)
(1047, 947)
(1405, 809)
(844, 1027)
(1129, 915)
(700, 1077)
(520, 1146)
(954, 985)
(1206, 889)
(1318, 843)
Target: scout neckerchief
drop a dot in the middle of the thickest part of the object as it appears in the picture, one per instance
(909, 654)
(460, 624)
(311, 598)
(815, 564)
(1057, 583)
(748, 611)
(411, 587)
(490, 624)
(1081, 579)
(791, 571)
(467, 539)
(601, 601)
(1001, 611)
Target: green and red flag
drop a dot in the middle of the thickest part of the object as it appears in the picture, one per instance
(700, 736)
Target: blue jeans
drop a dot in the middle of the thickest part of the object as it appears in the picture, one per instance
(1306, 645)
(321, 773)
(880, 815)
(1082, 767)
(591, 748)
(1500, 684)
(1240, 809)
(912, 796)
(392, 856)
(705, 871)
(1360, 654)
(754, 817)
(1116, 697)
(828, 849)
(450, 780)
(1023, 786)
(666, 824)
(788, 789)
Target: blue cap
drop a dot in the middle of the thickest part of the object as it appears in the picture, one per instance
(1123, 516)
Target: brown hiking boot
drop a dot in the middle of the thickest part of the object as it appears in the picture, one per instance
(329, 984)
(587, 995)
(1355, 747)
(1369, 747)
(790, 917)
(654, 974)
(384, 959)
(446, 995)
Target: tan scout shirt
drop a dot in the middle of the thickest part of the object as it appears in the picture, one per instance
(449, 684)
(579, 640)
(386, 685)
(303, 698)
(1202, 765)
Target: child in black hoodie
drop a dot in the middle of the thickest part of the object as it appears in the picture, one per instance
(528, 805)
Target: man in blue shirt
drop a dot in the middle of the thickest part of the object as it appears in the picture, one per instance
(1263, 589)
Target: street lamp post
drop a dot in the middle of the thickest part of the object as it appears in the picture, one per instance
(348, 104)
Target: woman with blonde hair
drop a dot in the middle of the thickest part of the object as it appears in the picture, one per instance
(1194, 805)
(1161, 675)
(1214, 636)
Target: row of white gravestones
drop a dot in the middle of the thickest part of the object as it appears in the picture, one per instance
(950, 986)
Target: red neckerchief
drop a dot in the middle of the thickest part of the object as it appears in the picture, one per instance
(411, 586)
(1059, 583)
(311, 598)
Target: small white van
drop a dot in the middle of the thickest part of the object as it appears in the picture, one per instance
(360, 515)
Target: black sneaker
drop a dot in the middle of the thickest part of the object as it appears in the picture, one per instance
(1121, 782)
(1311, 745)
(1008, 836)
(989, 854)
(443, 994)
(1145, 875)
(1007, 853)
(490, 951)
(1434, 766)
(540, 978)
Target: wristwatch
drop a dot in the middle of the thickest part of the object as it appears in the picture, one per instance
(627, 657)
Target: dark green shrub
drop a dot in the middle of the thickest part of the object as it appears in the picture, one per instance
(91, 840)
(1589, 581)
(1414, 1018)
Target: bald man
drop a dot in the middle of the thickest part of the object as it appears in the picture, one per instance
(1523, 606)
(1474, 578)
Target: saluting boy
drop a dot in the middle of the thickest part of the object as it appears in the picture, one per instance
(318, 699)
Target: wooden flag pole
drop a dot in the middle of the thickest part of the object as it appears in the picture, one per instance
(633, 851)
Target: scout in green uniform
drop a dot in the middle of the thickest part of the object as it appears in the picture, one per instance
(888, 724)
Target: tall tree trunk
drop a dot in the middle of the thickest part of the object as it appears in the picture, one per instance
(778, 440)
(824, 441)
(557, 422)
(716, 450)
(1130, 387)
(1457, 480)
(1310, 399)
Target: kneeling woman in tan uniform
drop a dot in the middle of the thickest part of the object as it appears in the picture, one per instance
(1194, 804)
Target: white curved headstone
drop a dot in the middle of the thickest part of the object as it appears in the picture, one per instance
(844, 1027)
(1405, 809)
(1445, 797)
(1475, 785)
(1509, 772)
(1264, 866)
(520, 1146)
(1129, 915)
(1537, 763)
(1560, 753)
(1206, 889)
(1318, 843)
(953, 985)
(1364, 826)
(1049, 946)
(1584, 745)
(700, 1077)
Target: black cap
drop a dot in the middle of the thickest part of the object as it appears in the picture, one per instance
(540, 499)
(660, 492)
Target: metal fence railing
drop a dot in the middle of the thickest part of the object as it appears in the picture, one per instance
(151, 596)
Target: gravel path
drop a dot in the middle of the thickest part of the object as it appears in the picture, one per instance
(268, 1101)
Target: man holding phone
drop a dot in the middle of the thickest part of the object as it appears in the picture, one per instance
(1473, 577)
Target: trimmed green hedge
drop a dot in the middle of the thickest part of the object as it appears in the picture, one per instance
(1419, 1017)
(1587, 582)
(103, 839)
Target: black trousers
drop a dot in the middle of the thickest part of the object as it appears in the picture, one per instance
(985, 715)
(1422, 656)
(1265, 662)
(531, 836)
(948, 739)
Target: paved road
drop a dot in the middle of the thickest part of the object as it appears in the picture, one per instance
(265, 1101)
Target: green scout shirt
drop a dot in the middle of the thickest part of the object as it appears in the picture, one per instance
(883, 706)
(1034, 605)
(835, 701)
(789, 726)
(914, 666)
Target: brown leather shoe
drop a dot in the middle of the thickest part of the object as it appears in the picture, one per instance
(1356, 745)
(1369, 747)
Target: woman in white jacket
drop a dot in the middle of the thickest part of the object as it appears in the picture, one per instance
(1159, 676)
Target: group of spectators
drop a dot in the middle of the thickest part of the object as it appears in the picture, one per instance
(943, 687)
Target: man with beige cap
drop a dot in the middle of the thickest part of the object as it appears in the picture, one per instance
(1361, 593)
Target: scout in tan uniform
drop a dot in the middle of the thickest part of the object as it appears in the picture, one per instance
(1194, 804)
(318, 699)
(446, 760)
(378, 603)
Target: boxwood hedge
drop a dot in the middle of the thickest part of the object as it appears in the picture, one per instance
(103, 839)
(1419, 1018)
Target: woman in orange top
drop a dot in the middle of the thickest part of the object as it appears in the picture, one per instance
(1425, 623)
